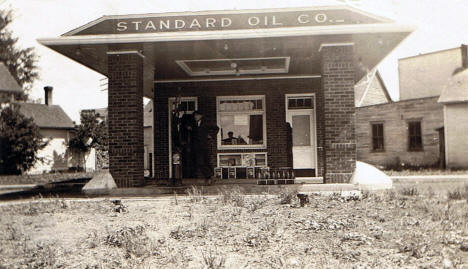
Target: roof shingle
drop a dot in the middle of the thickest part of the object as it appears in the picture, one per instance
(46, 116)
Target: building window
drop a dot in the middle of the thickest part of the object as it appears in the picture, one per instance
(242, 122)
(301, 102)
(242, 159)
(378, 137)
(415, 137)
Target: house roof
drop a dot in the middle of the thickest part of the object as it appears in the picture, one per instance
(51, 117)
(7, 82)
(371, 90)
(456, 90)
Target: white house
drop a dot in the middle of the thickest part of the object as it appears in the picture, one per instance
(454, 97)
(57, 127)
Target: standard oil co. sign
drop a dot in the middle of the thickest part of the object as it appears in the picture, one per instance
(239, 21)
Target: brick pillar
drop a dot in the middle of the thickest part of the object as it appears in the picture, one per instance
(339, 113)
(125, 118)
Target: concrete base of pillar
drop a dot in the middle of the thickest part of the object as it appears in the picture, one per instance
(101, 183)
(368, 177)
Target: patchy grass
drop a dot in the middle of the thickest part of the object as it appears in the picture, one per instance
(410, 227)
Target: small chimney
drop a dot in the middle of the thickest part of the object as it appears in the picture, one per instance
(464, 49)
(48, 95)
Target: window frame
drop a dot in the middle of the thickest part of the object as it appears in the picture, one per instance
(409, 136)
(259, 112)
(241, 153)
(372, 136)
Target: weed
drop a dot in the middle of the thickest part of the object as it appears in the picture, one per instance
(233, 196)
(213, 259)
(195, 194)
(132, 239)
(458, 194)
(14, 232)
(41, 255)
(92, 239)
(430, 193)
(390, 195)
(175, 198)
(287, 196)
(256, 204)
(409, 191)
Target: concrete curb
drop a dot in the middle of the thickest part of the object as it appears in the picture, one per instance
(22, 186)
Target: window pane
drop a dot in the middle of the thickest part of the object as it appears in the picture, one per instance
(191, 106)
(301, 130)
(260, 159)
(230, 160)
(415, 138)
(291, 103)
(300, 102)
(308, 103)
(377, 136)
(241, 129)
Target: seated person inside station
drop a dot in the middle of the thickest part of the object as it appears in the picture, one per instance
(231, 140)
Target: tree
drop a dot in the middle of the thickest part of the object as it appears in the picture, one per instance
(20, 141)
(20, 62)
(91, 133)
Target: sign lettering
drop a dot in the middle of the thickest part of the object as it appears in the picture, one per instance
(237, 21)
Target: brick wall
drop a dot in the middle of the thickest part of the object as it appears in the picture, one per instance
(339, 113)
(274, 91)
(125, 72)
(394, 116)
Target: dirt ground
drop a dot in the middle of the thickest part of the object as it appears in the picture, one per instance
(404, 228)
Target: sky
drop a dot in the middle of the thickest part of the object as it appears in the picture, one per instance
(440, 24)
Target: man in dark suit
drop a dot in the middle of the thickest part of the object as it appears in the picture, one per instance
(202, 134)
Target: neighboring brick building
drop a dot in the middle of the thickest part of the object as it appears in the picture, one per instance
(279, 84)
(393, 120)
(411, 131)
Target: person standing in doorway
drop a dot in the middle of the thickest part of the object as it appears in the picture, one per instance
(202, 134)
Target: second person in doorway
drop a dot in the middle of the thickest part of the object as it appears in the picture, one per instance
(203, 134)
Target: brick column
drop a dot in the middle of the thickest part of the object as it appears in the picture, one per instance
(125, 118)
(339, 112)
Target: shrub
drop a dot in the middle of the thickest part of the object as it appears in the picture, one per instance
(20, 141)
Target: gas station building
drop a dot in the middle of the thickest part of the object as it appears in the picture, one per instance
(279, 82)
